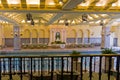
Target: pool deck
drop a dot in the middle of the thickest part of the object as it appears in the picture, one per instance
(56, 50)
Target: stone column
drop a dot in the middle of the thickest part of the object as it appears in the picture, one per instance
(38, 39)
(54, 32)
(50, 39)
(118, 36)
(16, 34)
(103, 37)
(107, 37)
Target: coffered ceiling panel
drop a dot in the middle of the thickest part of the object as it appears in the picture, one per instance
(50, 12)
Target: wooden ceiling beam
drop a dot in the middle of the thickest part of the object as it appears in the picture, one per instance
(42, 3)
(23, 4)
(4, 3)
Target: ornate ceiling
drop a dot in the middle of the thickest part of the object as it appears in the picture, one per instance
(47, 12)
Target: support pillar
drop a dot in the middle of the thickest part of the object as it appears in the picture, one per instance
(16, 32)
(103, 37)
(50, 38)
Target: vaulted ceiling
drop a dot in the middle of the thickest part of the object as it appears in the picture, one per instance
(47, 12)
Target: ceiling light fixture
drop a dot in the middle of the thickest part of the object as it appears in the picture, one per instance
(66, 22)
(84, 17)
(32, 22)
(101, 23)
(29, 17)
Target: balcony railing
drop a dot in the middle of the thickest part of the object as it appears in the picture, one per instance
(83, 67)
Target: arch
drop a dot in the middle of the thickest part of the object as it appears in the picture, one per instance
(34, 33)
(27, 33)
(42, 36)
(26, 36)
(80, 36)
(34, 36)
(71, 36)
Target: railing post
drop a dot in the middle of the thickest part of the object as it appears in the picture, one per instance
(52, 67)
(62, 67)
(34, 66)
(10, 72)
(100, 63)
(42, 65)
(81, 68)
(31, 74)
(4, 66)
(0, 69)
(90, 68)
(24, 65)
(94, 63)
(85, 64)
(38, 66)
(117, 68)
(20, 68)
(72, 68)
(67, 64)
(109, 68)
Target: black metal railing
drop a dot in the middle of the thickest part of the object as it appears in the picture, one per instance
(83, 67)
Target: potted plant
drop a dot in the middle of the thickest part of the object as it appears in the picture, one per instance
(75, 54)
(76, 63)
(107, 59)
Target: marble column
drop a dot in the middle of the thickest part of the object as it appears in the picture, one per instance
(54, 33)
(107, 37)
(50, 39)
(16, 33)
(38, 39)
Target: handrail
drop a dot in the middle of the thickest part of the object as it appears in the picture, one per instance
(60, 55)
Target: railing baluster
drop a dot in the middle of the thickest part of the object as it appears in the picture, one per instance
(10, 72)
(67, 64)
(34, 65)
(38, 66)
(94, 63)
(0, 69)
(31, 74)
(72, 68)
(100, 63)
(85, 64)
(4, 66)
(48, 64)
(52, 67)
(62, 67)
(90, 68)
(81, 69)
(24, 65)
(117, 68)
(109, 68)
(20, 68)
(41, 68)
